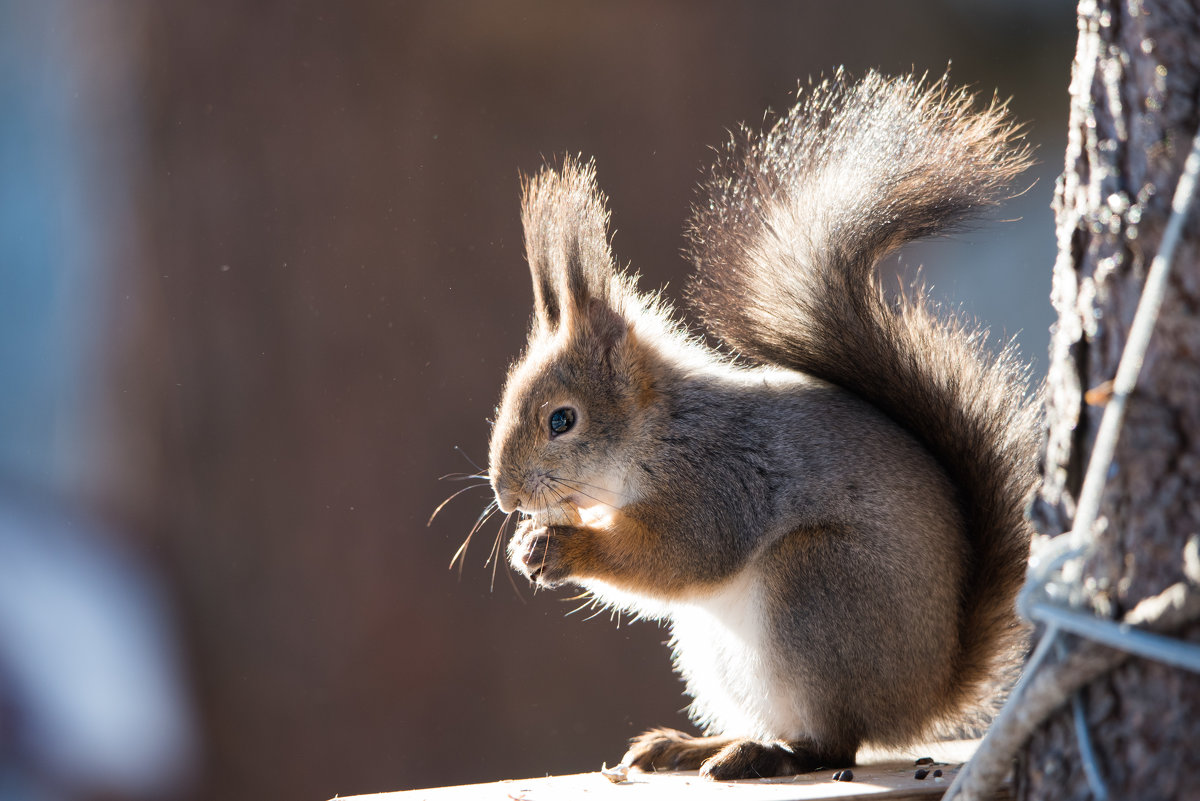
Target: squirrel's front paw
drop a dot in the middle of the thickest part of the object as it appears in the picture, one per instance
(536, 551)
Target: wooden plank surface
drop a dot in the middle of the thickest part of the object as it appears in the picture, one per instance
(880, 775)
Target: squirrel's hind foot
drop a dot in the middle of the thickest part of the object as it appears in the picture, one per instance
(728, 758)
(758, 759)
(668, 749)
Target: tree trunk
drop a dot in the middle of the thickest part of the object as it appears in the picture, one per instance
(1134, 93)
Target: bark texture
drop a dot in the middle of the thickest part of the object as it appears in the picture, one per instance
(1134, 93)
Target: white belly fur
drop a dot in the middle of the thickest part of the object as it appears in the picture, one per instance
(722, 650)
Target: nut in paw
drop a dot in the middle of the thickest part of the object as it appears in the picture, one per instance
(536, 552)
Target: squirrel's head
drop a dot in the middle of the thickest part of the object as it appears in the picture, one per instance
(576, 403)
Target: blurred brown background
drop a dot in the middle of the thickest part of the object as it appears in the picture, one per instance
(315, 285)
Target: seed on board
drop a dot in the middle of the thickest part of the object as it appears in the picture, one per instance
(921, 773)
(846, 775)
(924, 761)
(937, 774)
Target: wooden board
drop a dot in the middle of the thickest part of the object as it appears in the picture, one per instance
(880, 775)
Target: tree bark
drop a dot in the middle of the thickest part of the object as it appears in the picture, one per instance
(1134, 93)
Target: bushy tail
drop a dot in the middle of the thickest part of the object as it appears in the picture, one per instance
(786, 237)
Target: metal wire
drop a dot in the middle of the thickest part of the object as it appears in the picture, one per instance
(1115, 634)
(1091, 765)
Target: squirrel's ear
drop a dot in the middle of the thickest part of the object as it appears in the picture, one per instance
(566, 243)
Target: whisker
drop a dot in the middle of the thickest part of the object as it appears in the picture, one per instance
(562, 498)
(570, 481)
(541, 497)
(484, 516)
(495, 552)
(463, 476)
(470, 461)
(544, 496)
(512, 582)
(452, 497)
(495, 556)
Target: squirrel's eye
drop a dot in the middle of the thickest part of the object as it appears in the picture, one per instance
(561, 420)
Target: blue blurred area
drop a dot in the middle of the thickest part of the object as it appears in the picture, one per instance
(44, 237)
(88, 671)
(91, 696)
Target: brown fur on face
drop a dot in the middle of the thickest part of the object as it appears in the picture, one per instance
(598, 371)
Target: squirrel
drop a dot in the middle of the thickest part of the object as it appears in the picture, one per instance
(828, 511)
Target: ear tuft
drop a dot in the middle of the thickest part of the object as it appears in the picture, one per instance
(605, 325)
(565, 217)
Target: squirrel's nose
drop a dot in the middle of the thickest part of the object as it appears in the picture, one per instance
(506, 498)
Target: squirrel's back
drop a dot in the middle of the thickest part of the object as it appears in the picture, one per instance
(786, 237)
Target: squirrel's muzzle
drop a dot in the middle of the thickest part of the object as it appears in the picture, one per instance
(506, 497)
